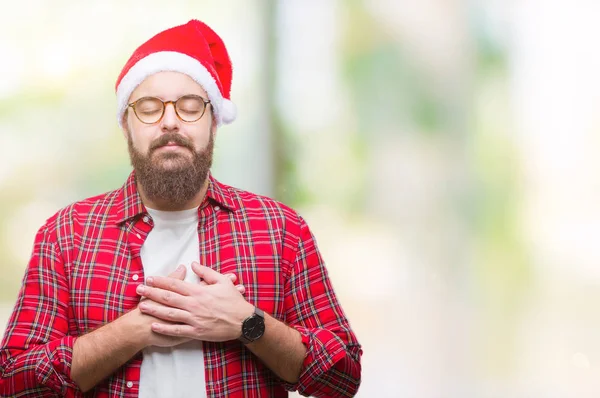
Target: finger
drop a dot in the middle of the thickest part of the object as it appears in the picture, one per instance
(162, 296)
(163, 312)
(241, 289)
(233, 277)
(210, 276)
(172, 284)
(177, 330)
(179, 273)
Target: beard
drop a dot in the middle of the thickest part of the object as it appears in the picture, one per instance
(171, 178)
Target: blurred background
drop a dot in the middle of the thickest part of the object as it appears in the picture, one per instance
(444, 152)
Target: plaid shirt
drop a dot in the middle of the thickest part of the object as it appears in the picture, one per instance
(86, 266)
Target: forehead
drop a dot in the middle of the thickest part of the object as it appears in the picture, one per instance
(167, 86)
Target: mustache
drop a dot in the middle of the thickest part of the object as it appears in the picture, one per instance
(171, 137)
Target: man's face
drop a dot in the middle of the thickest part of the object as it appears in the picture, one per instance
(171, 157)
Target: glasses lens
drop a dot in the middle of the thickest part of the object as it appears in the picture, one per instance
(149, 110)
(190, 108)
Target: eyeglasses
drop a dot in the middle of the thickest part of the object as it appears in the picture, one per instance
(150, 110)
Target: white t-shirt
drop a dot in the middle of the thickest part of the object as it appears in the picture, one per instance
(177, 371)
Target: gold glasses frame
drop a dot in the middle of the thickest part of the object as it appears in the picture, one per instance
(133, 104)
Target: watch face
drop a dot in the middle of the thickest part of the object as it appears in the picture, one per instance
(253, 328)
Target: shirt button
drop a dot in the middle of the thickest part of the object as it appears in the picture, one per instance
(217, 208)
(138, 236)
(129, 384)
(135, 277)
(146, 219)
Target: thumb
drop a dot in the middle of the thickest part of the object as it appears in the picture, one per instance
(209, 276)
(179, 273)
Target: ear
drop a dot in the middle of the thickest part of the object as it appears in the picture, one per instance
(213, 124)
(125, 123)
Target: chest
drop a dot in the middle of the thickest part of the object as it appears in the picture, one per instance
(108, 265)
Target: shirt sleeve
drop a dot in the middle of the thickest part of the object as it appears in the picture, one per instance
(332, 366)
(36, 351)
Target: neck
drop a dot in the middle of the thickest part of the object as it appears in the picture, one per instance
(166, 205)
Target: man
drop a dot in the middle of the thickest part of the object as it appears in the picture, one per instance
(105, 309)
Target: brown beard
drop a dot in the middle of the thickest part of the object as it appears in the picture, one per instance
(177, 185)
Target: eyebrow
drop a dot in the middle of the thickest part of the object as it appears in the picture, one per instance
(175, 98)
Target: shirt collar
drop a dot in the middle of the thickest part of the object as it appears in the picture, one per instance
(128, 203)
(220, 193)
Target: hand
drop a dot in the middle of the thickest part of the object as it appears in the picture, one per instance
(212, 310)
(145, 321)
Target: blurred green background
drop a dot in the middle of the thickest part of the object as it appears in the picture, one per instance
(443, 152)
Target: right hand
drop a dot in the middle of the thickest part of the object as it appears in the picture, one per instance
(144, 321)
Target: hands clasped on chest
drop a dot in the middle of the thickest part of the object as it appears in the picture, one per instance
(174, 311)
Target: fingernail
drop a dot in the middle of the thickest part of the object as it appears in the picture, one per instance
(140, 289)
(181, 267)
(149, 281)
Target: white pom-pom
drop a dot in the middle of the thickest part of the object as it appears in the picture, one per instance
(228, 111)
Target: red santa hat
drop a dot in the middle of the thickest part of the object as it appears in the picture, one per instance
(193, 49)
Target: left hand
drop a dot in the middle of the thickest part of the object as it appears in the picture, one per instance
(213, 311)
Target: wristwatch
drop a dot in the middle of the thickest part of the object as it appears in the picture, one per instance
(253, 327)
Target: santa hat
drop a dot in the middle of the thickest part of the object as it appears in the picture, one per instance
(193, 49)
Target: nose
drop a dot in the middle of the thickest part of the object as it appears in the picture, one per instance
(170, 121)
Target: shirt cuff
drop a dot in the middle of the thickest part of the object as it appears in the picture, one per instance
(323, 350)
(56, 372)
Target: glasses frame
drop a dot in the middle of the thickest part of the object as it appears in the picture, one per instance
(164, 107)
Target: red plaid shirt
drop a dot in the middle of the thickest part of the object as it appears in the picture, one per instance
(86, 265)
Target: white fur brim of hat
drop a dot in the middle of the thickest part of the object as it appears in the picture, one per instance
(170, 61)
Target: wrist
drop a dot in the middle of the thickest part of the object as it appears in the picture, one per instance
(135, 332)
(246, 310)
(253, 326)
